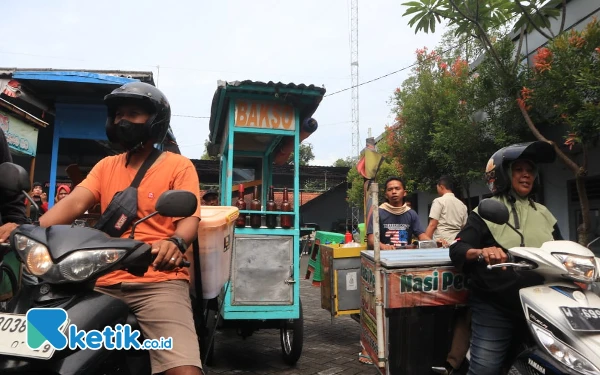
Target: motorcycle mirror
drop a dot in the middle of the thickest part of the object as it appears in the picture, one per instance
(176, 203)
(493, 210)
(14, 178)
(590, 244)
(171, 203)
(496, 212)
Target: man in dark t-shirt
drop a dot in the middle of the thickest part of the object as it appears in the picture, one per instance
(397, 222)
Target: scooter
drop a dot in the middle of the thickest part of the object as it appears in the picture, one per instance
(68, 259)
(563, 314)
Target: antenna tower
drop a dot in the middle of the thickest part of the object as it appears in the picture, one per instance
(354, 94)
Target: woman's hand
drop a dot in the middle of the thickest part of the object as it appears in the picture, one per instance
(494, 255)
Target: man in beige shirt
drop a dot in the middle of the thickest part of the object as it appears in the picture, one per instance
(448, 214)
(447, 217)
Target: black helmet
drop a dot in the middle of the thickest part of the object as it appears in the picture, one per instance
(147, 96)
(496, 171)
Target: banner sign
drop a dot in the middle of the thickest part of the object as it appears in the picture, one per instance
(21, 137)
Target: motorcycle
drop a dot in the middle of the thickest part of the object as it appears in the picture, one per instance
(68, 259)
(563, 314)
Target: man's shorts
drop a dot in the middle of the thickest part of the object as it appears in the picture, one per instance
(163, 309)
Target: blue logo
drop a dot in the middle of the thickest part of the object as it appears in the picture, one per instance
(48, 324)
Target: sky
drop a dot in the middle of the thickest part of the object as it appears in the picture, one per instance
(190, 45)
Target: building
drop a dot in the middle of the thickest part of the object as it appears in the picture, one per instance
(67, 106)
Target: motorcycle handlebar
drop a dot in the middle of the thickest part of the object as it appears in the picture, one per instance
(184, 263)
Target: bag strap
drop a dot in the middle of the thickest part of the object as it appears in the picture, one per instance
(154, 154)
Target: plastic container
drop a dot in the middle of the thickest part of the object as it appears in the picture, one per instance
(215, 237)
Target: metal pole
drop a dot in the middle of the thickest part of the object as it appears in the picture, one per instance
(381, 355)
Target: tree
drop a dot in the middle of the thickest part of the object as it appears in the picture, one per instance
(564, 90)
(434, 113)
(347, 162)
(477, 18)
(306, 154)
(205, 155)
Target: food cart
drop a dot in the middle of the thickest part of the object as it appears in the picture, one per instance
(255, 126)
(408, 302)
(340, 285)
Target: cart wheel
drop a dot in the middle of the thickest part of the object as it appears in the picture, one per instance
(292, 338)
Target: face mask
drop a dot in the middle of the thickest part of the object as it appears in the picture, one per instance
(130, 134)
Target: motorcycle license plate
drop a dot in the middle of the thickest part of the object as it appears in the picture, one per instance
(582, 318)
(13, 333)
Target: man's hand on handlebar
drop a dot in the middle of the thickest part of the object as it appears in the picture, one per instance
(6, 230)
(167, 256)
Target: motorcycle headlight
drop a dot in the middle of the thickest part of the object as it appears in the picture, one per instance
(77, 266)
(580, 268)
(563, 352)
(84, 263)
(36, 256)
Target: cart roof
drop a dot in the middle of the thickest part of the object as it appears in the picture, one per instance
(305, 98)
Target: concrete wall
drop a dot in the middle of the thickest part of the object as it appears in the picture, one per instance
(557, 178)
(579, 13)
(328, 209)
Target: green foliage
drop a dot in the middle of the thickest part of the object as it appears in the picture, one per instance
(306, 154)
(205, 155)
(564, 88)
(480, 18)
(436, 132)
(347, 162)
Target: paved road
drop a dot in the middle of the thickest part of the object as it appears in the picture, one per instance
(329, 347)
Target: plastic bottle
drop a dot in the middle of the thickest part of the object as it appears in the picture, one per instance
(271, 220)
(348, 237)
(240, 222)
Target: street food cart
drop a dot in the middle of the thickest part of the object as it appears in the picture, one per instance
(340, 285)
(409, 298)
(421, 292)
(255, 126)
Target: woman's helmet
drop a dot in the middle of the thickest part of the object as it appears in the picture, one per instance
(497, 174)
(148, 97)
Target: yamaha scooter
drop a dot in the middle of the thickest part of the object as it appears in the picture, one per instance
(563, 314)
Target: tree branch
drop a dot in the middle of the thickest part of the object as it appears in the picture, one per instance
(488, 45)
(547, 23)
(518, 57)
(584, 164)
(524, 11)
(567, 160)
(564, 17)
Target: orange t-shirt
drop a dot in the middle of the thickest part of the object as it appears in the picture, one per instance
(170, 172)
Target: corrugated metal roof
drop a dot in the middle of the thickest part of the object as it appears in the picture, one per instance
(305, 98)
(146, 77)
(245, 85)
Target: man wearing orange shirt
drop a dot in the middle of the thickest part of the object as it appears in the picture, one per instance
(138, 117)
